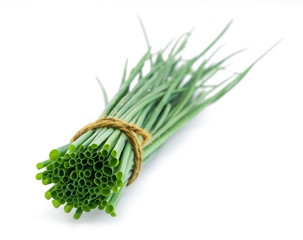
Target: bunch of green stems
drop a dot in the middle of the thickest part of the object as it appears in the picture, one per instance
(92, 172)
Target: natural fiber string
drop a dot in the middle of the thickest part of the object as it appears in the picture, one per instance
(130, 131)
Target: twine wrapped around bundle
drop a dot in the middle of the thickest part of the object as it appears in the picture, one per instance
(130, 130)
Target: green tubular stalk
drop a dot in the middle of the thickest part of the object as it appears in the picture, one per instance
(73, 175)
(116, 152)
(108, 171)
(111, 141)
(60, 160)
(100, 207)
(100, 138)
(85, 144)
(172, 51)
(78, 213)
(46, 181)
(124, 73)
(97, 182)
(39, 176)
(216, 40)
(113, 178)
(113, 214)
(70, 187)
(114, 200)
(88, 172)
(66, 165)
(135, 95)
(48, 193)
(123, 161)
(105, 200)
(115, 189)
(80, 140)
(55, 179)
(54, 194)
(128, 168)
(72, 162)
(103, 91)
(125, 86)
(113, 162)
(43, 164)
(87, 154)
(119, 183)
(75, 153)
(68, 208)
(162, 118)
(97, 167)
(56, 203)
(110, 184)
(54, 154)
(85, 208)
(50, 167)
(55, 172)
(105, 192)
(90, 161)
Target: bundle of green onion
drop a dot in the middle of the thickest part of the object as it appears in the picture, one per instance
(93, 171)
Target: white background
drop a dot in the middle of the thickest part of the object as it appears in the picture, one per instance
(234, 172)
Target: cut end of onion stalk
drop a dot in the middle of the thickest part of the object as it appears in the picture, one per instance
(72, 148)
(48, 195)
(78, 213)
(53, 155)
(56, 203)
(39, 176)
(68, 208)
(39, 166)
(109, 208)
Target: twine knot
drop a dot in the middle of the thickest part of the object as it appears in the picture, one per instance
(130, 130)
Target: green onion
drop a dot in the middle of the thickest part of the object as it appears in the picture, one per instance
(93, 171)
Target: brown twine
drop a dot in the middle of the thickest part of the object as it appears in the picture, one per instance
(130, 131)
